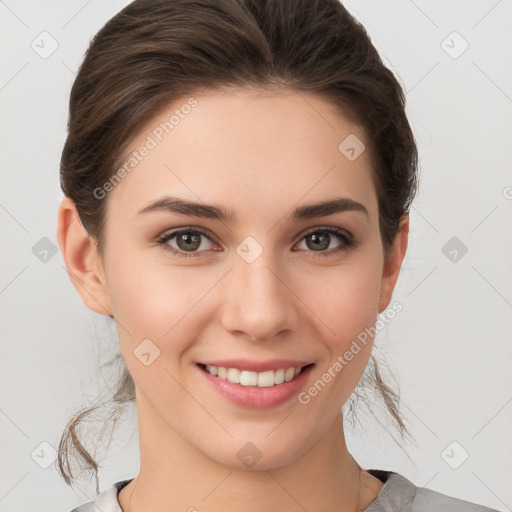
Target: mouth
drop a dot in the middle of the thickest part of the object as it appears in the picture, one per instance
(248, 378)
(256, 385)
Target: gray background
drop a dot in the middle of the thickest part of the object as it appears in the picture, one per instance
(450, 348)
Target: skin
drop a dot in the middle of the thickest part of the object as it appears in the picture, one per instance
(262, 155)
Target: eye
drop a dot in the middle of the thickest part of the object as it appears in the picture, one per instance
(188, 241)
(321, 238)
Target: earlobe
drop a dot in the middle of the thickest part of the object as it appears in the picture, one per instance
(392, 266)
(81, 258)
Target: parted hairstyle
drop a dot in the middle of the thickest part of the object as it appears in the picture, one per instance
(155, 51)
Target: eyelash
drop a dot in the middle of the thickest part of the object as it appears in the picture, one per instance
(348, 242)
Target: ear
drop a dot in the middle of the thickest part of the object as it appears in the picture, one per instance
(393, 263)
(82, 259)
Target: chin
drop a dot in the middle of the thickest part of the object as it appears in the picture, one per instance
(260, 454)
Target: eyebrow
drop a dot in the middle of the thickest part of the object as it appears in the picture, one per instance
(321, 209)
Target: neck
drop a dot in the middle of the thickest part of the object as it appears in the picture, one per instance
(175, 474)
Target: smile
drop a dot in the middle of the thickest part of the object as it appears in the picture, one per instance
(256, 385)
(250, 378)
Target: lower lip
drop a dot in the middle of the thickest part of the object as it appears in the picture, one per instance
(254, 397)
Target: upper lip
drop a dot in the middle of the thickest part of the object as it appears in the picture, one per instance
(257, 366)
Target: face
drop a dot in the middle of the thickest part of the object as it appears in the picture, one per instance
(259, 278)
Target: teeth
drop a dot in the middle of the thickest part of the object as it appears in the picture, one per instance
(266, 379)
(289, 374)
(233, 375)
(247, 378)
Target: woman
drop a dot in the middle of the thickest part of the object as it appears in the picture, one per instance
(238, 176)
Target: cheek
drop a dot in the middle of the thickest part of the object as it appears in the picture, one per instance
(347, 308)
(158, 303)
(344, 297)
(151, 298)
(154, 300)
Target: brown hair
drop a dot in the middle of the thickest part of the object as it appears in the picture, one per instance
(155, 51)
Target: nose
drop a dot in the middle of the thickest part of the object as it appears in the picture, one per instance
(259, 301)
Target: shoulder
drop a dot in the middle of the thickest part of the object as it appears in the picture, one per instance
(425, 499)
(399, 493)
(106, 501)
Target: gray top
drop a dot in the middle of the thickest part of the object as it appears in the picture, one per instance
(397, 495)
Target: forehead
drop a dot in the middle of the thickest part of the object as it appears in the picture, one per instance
(256, 151)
